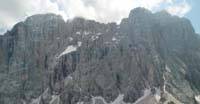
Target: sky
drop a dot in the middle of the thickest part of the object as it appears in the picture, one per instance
(13, 11)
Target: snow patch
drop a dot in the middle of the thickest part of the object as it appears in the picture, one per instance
(114, 39)
(100, 98)
(172, 98)
(45, 93)
(157, 95)
(55, 99)
(78, 33)
(80, 89)
(99, 34)
(36, 101)
(86, 33)
(147, 92)
(167, 68)
(118, 100)
(197, 98)
(146, 95)
(70, 77)
(80, 103)
(68, 50)
(95, 37)
(67, 80)
(70, 39)
(79, 43)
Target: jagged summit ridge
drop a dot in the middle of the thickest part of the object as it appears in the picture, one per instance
(144, 13)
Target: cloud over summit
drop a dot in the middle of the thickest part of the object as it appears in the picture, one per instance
(13, 11)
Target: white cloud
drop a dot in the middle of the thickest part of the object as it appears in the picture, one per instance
(13, 11)
(150, 4)
(74, 8)
(179, 9)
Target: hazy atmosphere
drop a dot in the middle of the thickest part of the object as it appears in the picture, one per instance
(99, 52)
(13, 11)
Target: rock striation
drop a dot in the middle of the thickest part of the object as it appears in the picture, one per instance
(147, 58)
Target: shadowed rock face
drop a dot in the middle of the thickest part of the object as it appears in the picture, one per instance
(45, 60)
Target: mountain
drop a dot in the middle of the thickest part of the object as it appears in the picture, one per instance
(149, 58)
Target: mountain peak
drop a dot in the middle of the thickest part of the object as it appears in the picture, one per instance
(44, 17)
(139, 11)
(146, 56)
(163, 13)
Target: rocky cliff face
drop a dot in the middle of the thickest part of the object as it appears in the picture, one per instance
(147, 58)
